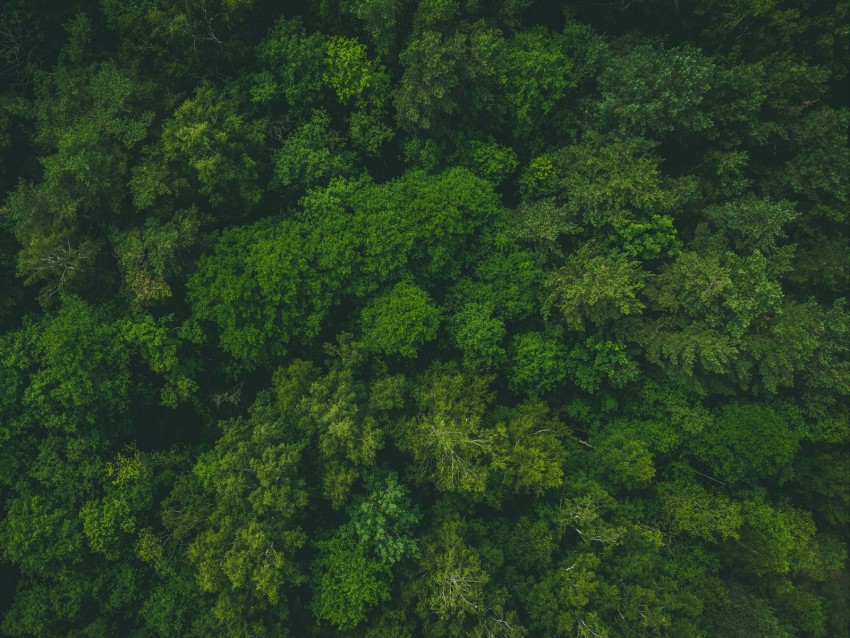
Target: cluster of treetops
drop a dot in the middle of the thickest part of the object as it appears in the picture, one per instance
(449, 318)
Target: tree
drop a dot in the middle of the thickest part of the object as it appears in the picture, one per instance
(604, 182)
(154, 255)
(292, 68)
(77, 371)
(599, 361)
(276, 282)
(179, 39)
(348, 583)
(245, 547)
(352, 571)
(529, 454)
(538, 76)
(70, 530)
(400, 321)
(267, 264)
(379, 19)
(655, 91)
(432, 75)
(313, 155)
(84, 161)
(454, 585)
(209, 140)
(463, 448)
(347, 432)
(538, 363)
(729, 297)
(355, 78)
(749, 442)
(479, 334)
(595, 288)
(753, 224)
(447, 440)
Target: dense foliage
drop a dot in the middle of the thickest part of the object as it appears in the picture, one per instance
(449, 318)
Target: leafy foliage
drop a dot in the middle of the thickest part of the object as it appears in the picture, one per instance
(391, 319)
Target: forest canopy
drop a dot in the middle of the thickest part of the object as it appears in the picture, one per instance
(446, 318)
